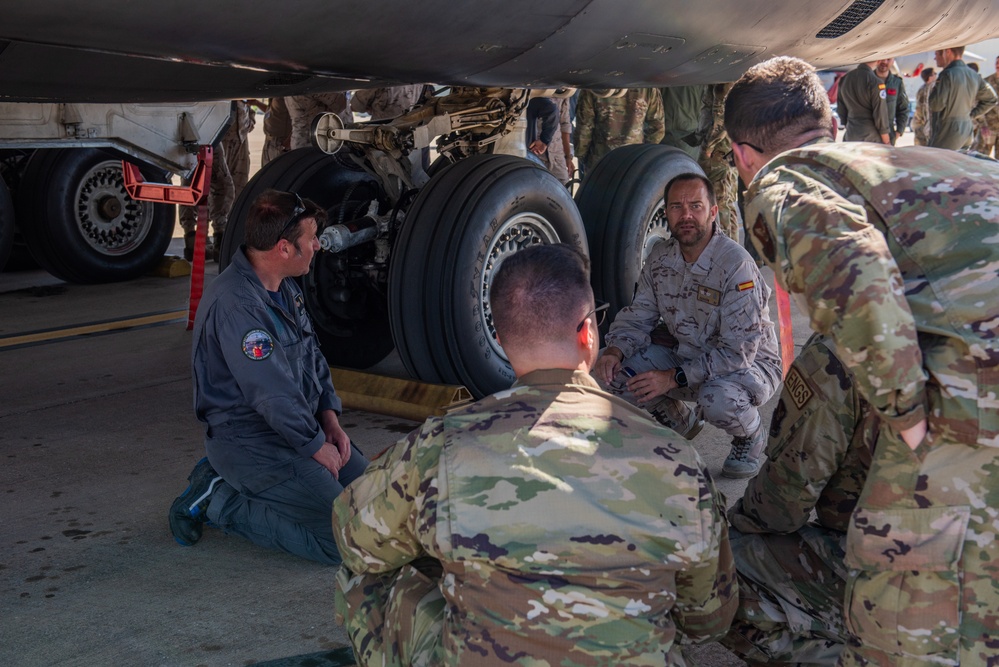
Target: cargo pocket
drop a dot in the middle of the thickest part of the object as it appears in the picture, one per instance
(904, 596)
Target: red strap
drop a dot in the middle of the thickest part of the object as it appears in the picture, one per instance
(195, 194)
(785, 327)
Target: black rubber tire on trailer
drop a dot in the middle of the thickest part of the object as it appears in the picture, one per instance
(621, 203)
(355, 334)
(465, 221)
(81, 225)
(6, 224)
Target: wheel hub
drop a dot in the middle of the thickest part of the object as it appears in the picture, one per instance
(656, 230)
(519, 232)
(109, 221)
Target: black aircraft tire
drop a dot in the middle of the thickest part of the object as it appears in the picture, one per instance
(6, 224)
(364, 338)
(621, 203)
(466, 220)
(79, 222)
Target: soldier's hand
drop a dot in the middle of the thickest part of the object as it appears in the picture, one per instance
(915, 434)
(652, 384)
(607, 366)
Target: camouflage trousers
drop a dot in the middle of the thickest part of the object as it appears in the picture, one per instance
(729, 402)
(273, 148)
(220, 197)
(725, 181)
(237, 157)
(790, 597)
(923, 587)
(392, 619)
(987, 141)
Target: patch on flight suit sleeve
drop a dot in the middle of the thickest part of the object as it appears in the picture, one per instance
(762, 234)
(708, 295)
(797, 388)
(883, 94)
(257, 344)
(749, 284)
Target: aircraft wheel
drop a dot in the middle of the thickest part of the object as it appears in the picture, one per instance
(347, 303)
(466, 220)
(6, 224)
(81, 225)
(622, 207)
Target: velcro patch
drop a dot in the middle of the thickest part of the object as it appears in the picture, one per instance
(765, 242)
(797, 388)
(749, 284)
(708, 295)
(257, 344)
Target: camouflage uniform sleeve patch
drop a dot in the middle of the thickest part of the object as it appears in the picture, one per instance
(797, 388)
(709, 296)
(764, 241)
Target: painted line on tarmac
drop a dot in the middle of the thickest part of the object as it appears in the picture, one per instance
(45, 336)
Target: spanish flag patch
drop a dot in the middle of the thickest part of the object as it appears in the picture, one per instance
(749, 284)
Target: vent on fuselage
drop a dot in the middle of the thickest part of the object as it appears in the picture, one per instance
(854, 15)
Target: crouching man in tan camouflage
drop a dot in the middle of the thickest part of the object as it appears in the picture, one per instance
(711, 297)
(548, 524)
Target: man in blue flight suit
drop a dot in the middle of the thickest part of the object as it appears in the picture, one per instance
(277, 456)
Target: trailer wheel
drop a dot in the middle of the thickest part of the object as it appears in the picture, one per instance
(347, 304)
(466, 220)
(622, 207)
(80, 224)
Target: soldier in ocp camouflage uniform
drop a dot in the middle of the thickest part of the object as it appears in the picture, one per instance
(712, 159)
(606, 123)
(921, 119)
(791, 572)
(896, 253)
(547, 524)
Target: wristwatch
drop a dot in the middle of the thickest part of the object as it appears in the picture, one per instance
(680, 377)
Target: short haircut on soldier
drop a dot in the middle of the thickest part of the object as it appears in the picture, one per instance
(927, 73)
(958, 51)
(692, 176)
(539, 294)
(270, 214)
(774, 102)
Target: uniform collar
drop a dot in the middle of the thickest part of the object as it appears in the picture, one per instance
(556, 376)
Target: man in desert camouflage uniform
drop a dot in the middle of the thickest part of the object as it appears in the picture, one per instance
(896, 254)
(304, 108)
(791, 572)
(921, 118)
(385, 103)
(606, 123)
(547, 524)
(714, 149)
(712, 299)
(277, 130)
(988, 141)
(237, 145)
(221, 195)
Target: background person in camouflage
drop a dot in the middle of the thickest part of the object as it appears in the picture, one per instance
(958, 96)
(606, 123)
(792, 578)
(277, 130)
(547, 524)
(896, 99)
(710, 295)
(895, 253)
(385, 103)
(221, 196)
(921, 118)
(682, 117)
(988, 142)
(304, 108)
(862, 105)
(714, 148)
